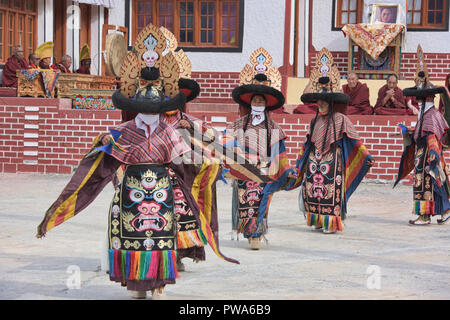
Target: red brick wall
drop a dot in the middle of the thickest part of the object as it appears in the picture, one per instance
(216, 87)
(45, 136)
(438, 64)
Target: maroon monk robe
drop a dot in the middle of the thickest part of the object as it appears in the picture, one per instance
(83, 70)
(307, 108)
(359, 99)
(62, 68)
(389, 108)
(280, 111)
(414, 102)
(9, 71)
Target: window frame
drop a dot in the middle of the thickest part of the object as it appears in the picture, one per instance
(197, 46)
(416, 28)
(26, 14)
(337, 7)
(426, 26)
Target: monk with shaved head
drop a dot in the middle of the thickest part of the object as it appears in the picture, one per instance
(359, 96)
(391, 100)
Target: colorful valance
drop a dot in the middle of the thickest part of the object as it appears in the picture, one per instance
(373, 38)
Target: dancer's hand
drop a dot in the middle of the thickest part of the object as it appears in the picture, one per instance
(431, 157)
(185, 124)
(412, 107)
(293, 175)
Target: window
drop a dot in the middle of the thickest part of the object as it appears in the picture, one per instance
(348, 12)
(17, 27)
(197, 24)
(427, 14)
(186, 22)
(422, 14)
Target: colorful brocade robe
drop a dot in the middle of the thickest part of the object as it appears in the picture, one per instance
(431, 188)
(190, 239)
(329, 171)
(143, 224)
(250, 201)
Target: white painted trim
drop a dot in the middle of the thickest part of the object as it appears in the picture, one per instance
(40, 22)
(30, 153)
(95, 45)
(301, 39)
(306, 32)
(30, 162)
(219, 119)
(31, 126)
(30, 144)
(29, 108)
(31, 135)
(292, 35)
(48, 21)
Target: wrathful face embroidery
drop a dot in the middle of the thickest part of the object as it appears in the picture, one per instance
(148, 196)
(321, 174)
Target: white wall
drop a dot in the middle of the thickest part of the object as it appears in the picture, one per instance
(44, 21)
(436, 42)
(72, 36)
(263, 27)
(322, 36)
(117, 14)
(302, 50)
(97, 20)
(117, 17)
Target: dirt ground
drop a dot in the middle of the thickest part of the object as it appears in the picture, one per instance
(378, 256)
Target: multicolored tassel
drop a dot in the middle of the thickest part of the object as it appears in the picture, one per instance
(191, 238)
(143, 265)
(422, 208)
(115, 145)
(327, 222)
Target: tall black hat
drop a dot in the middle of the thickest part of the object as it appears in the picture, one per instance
(149, 79)
(186, 85)
(423, 88)
(325, 83)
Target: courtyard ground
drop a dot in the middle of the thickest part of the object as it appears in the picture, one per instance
(378, 256)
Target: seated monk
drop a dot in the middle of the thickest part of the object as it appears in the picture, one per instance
(85, 67)
(33, 61)
(391, 100)
(65, 64)
(359, 96)
(280, 111)
(85, 60)
(14, 63)
(46, 64)
(307, 108)
(45, 53)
